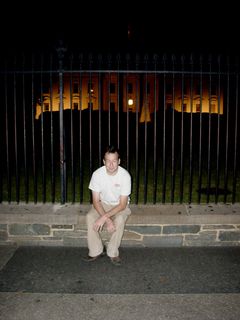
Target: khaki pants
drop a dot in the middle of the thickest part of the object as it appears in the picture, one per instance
(95, 244)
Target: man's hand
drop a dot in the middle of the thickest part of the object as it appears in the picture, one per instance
(110, 225)
(99, 223)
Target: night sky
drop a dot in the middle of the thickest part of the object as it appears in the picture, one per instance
(173, 29)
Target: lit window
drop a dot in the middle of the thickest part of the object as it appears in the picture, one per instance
(168, 88)
(75, 106)
(214, 89)
(184, 107)
(112, 106)
(90, 87)
(90, 105)
(148, 88)
(46, 106)
(213, 108)
(130, 87)
(112, 88)
(198, 107)
(75, 87)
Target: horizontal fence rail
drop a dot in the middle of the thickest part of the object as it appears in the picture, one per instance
(174, 119)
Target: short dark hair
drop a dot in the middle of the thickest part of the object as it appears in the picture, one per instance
(111, 149)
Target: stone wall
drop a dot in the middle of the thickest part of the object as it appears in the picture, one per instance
(148, 226)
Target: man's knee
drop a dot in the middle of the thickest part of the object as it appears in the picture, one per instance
(90, 217)
(119, 220)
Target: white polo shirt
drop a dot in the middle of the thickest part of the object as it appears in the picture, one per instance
(111, 187)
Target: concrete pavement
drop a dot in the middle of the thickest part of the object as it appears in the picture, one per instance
(153, 283)
(40, 306)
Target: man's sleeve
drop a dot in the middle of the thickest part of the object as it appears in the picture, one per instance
(93, 184)
(126, 188)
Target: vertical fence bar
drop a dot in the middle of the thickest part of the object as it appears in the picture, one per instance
(118, 101)
(155, 134)
(109, 108)
(61, 51)
(99, 121)
(99, 112)
(218, 132)
(127, 121)
(72, 134)
(53, 175)
(9, 180)
(34, 167)
(80, 133)
(227, 134)
(182, 134)
(200, 135)
(145, 106)
(2, 149)
(173, 133)
(109, 99)
(2, 146)
(16, 134)
(26, 185)
(137, 133)
(90, 119)
(164, 134)
(137, 143)
(43, 173)
(209, 131)
(235, 154)
(191, 135)
(145, 143)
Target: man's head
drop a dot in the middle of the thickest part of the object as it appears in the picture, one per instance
(111, 159)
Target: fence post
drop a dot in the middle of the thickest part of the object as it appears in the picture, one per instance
(60, 51)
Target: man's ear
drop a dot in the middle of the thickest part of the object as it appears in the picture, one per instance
(119, 160)
(103, 161)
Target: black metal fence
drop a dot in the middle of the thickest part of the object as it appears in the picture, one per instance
(174, 118)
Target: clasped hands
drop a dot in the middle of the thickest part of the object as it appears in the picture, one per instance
(99, 223)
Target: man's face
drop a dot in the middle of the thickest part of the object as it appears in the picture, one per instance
(111, 162)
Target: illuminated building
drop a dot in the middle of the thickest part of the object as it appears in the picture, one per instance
(137, 93)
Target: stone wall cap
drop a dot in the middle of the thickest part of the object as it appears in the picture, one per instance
(140, 209)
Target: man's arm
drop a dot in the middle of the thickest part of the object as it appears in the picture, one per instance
(97, 203)
(105, 216)
(121, 206)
